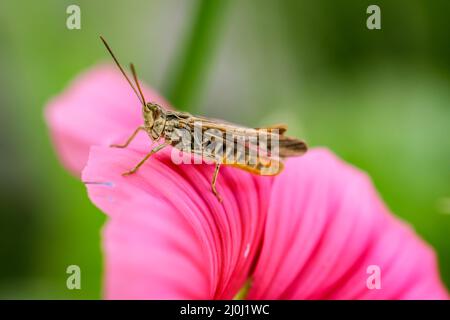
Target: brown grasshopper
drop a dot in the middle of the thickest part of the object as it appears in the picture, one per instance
(259, 151)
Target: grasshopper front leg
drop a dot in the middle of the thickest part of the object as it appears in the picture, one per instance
(153, 151)
(129, 139)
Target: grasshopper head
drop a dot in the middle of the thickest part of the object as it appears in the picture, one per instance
(152, 112)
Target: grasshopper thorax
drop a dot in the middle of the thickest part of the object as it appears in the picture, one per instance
(154, 118)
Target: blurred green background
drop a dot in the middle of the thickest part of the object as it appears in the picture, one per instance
(380, 99)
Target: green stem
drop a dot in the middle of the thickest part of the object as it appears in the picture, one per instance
(190, 74)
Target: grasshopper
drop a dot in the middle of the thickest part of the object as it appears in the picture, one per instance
(259, 151)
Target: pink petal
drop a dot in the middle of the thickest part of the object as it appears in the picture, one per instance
(168, 236)
(98, 108)
(325, 226)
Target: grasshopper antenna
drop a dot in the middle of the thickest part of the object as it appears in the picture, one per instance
(141, 96)
(133, 72)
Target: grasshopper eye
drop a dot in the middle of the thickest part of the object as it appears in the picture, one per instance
(153, 108)
(147, 108)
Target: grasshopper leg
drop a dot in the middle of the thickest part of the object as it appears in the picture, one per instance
(153, 151)
(213, 182)
(129, 139)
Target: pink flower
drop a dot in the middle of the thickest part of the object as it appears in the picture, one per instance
(312, 232)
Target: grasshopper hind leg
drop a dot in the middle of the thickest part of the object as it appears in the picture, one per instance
(213, 183)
